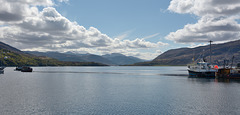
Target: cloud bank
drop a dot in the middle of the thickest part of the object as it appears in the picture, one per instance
(25, 27)
(217, 20)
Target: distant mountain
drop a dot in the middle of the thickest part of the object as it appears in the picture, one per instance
(183, 56)
(57, 55)
(11, 56)
(96, 58)
(72, 57)
(121, 59)
(109, 59)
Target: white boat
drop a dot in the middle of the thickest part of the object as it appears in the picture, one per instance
(18, 68)
(202, 68)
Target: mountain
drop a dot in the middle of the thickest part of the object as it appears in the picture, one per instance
(183, 56)
(121, 59)
(109, 59)
(57, 55)
(11, 56)
(72, 57)
(10, 48)
(96, 58)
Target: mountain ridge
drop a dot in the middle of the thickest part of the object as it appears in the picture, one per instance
(109, 59)
(184, 56)
(11, 56)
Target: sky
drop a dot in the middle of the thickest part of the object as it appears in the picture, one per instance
(143, 29)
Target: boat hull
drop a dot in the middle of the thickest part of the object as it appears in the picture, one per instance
(231, 76)
(1, 71)
(30, 70)
(26, 69)
(2, 68)
(225, 73)
(208, 74)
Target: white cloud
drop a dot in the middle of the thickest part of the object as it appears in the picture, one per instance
(63, 0)
(144, 55)
(159, 51)
(124, 35)
(207, 29)
(206, 7)
(151, 36)
(47, 30)
(17, 10)
(217, 20)
(193, 45)
(162, 44)
(139, 43)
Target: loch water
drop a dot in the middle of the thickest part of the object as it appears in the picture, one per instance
(115, 90)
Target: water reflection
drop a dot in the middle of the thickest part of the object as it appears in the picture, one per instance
(219, 80)
(184, 75)
(227, 80)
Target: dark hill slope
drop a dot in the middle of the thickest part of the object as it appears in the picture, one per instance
(183, 56)
(9, 48)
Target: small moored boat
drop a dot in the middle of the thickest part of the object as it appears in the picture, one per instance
(18, 68)
(26, 69)
(2, 70)
(229, 72)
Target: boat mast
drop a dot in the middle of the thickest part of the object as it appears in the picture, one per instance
(232, 61)
(210, 51)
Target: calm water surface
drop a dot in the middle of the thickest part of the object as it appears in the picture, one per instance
(115, 90)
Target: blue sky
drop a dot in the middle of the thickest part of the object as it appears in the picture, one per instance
(137, 19)
(116, 17)
(143, 28)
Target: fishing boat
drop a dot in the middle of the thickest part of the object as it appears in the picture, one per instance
(26, 69)
(228, 72)
(18, 68)
(23, 69)
(202, 68)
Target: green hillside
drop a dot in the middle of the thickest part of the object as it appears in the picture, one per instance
(12, 58)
